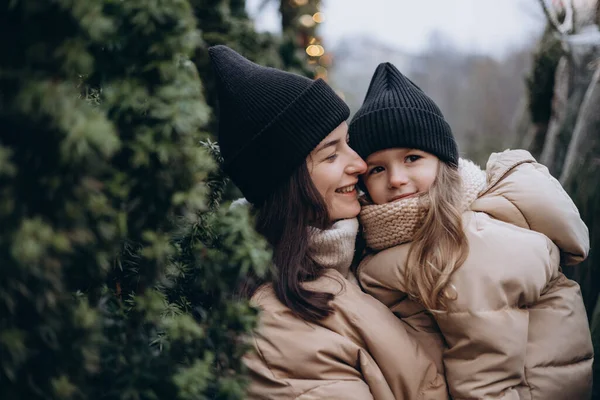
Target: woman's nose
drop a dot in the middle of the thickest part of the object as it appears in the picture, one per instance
(357, 165)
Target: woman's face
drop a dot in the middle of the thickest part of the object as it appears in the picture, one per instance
(399, 173)
(334, 168)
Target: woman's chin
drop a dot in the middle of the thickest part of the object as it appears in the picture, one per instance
(345, 211)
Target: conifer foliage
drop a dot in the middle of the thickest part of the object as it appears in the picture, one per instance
(118, 267)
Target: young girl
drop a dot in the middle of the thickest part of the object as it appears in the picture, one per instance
(479, 253)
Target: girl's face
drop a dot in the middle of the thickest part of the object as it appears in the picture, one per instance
(334, 168)
(399, 173)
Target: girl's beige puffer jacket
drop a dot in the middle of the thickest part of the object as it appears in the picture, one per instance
(361, 352)
(518, 329)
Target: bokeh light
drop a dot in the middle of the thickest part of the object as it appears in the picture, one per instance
(319, 17)
(315, 50)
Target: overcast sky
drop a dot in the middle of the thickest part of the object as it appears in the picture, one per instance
(483, 26)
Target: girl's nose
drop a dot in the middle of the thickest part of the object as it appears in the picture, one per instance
(397, 178)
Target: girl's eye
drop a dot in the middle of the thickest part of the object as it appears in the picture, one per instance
(375, 170)
(332, 157)
(412, 158)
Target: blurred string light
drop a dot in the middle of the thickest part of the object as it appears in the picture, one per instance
(315, 50)
(307, 21)
(309, 16)
(320, 72)
(319, 17)
(298, 3)
(325, 60)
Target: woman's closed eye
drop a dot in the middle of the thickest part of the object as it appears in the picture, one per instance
(331, 157)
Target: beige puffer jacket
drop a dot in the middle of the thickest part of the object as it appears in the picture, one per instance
(360, 352)
(518, 329)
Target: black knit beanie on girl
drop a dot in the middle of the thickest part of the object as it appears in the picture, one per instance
(396, 113)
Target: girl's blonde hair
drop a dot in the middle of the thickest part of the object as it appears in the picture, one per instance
(440, 246)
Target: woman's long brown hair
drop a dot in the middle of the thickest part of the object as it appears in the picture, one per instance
(284, 219)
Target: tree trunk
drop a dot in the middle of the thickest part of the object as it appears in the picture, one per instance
(540, 88)
(580, 179)
(560, 103)
(573, 76)
(534, 138)
(521, 123)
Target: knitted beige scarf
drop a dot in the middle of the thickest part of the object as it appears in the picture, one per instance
(334, 247)
(391, 224)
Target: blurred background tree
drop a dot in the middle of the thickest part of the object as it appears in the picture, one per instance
(570, 145)
(561, 96)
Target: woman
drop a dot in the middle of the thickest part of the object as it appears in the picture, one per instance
(283, 139)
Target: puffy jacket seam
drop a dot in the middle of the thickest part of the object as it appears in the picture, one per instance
(500, 396)
(475, 398)
(521, 212)
(482, 311)
(555, 280)
(425, 388)
(479, 398)
(382, 283)
(554, 182)
(526, 380)
(566, 364)
(518, 209)
(262, 356)
(320, 386)
(353, 317)
(503, 173)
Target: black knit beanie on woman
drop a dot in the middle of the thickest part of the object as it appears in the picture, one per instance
(396, 113)
(269, 121)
